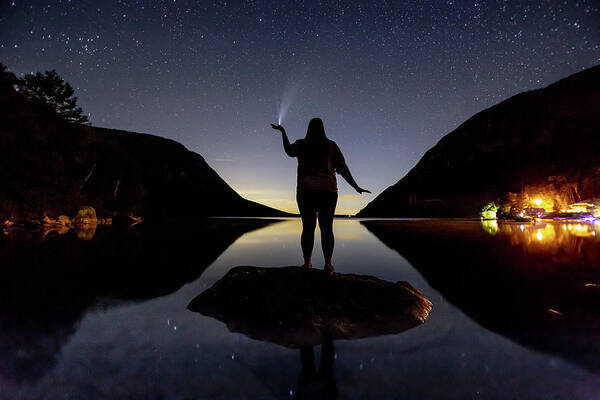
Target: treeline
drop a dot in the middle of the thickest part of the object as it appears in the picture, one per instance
(47, 91)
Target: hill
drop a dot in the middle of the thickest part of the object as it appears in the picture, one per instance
(538, 144)
(50, 167)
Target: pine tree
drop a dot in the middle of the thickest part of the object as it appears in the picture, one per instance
(51, 91)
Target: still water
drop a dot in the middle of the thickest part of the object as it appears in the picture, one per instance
(515, 313)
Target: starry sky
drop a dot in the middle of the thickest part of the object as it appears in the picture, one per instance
(388, 78)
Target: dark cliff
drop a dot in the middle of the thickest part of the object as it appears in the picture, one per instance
(546, 139)
(50, 167)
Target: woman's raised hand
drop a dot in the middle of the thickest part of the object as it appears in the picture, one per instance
(277, 127)
(361, 190)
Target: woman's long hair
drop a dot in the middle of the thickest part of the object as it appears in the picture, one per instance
(316, 140)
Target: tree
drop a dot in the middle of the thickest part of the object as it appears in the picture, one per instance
(51, 91)
(6, 77)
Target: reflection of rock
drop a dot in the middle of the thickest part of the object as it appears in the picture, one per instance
(295, 307)
(48, 283)
(86, 231)
(527, 285)
(60, 225)
(85, 223)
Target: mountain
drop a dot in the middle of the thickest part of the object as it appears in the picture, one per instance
(540, 143)
(50, 167)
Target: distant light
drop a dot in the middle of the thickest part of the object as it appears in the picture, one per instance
(539, 235)
(537, 202)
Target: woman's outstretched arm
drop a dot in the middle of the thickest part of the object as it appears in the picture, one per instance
(344, 171)
(287, 146)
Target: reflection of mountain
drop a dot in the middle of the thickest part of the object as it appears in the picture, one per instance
(532, 283)
(295, 307)
(46, 285)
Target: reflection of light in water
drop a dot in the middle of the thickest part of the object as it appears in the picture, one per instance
(539, 235)
(275, 233)
(563, 242)
(582, 230)
(490, 226)
(281, 232)
(543, 233)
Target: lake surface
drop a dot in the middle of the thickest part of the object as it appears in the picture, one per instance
(515, 313)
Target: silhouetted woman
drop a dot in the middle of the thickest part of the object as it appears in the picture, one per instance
(318, 160)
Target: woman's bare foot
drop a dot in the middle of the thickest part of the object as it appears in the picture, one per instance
(329, 269)
(307, 265)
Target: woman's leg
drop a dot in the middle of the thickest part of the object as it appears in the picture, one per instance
(309, 223)
(326, 213)
(307, 240)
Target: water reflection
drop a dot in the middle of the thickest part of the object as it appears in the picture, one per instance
(533, 282)
(48, 282)
(299, 308)
(548, 233)
(313, 383)
(133, 350)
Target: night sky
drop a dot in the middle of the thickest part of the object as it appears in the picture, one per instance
(388, 78)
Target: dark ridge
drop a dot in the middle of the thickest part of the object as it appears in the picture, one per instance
(542, 137)
(50, 167)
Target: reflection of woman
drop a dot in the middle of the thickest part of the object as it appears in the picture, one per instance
(318, 160)
(313, 384)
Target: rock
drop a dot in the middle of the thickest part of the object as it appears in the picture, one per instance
(64, 220)
(135, 220)
(544, 138)
(85, 231)
(294, 307)
(60, 225)
(86, 215)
